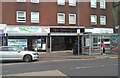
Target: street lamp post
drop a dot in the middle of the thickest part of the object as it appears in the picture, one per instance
(78, 30)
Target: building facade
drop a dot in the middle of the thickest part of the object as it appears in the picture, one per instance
(52, 25)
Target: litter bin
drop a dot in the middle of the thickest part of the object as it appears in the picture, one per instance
(75, 49)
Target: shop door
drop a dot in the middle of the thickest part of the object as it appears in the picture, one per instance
(69, 41)
(58, 43)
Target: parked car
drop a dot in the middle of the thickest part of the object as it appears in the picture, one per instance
(14, 53)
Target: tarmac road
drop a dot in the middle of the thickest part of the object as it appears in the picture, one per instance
(74, 67)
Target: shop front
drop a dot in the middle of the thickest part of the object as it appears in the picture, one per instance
(63, 38)
(28, 37)
(3, 36)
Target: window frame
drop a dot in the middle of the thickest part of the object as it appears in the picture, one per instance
(33, 1)
(73, 3)
(21, 20)
(102, 6)
(60, 2)
(38, 19)
(103, 17)
(95, 20)
(92, 5)
(72, 22)
(59, 21)
(21, 0)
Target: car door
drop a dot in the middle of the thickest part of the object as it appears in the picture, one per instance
(14, 53)
(5, 53)
(0, 53)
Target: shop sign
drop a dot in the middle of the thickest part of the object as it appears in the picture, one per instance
(100, 30)
(21, 43)
(28, 29)
(67, 30)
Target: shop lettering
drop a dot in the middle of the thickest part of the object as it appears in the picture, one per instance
(63, 30)
(28, 29)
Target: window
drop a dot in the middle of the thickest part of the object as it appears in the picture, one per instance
(21, 16)
(93, 19)
(102, 20)
(12, 49)
(61, 2)
(72, 2)
(34, 17)
(95, 40)
(4, 49)
(34, 1)
(93, 4)
(102, 4)
(21, 0)
(61, 18)
(72, 18)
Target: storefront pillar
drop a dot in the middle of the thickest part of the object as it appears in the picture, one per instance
(46, 44)
(83, 42)
(50, 43)
(90, 46)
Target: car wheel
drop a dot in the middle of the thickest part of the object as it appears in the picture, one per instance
(27, 58)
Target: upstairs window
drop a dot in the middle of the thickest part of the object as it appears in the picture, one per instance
(72, 18)
(93, 4)
(61, 18)
(72, 2)
(102, 20)
(102, 4)
(34, 1)
(61, 2)
(21, 0)
(21, 16)
(93, 20)
(34, 17)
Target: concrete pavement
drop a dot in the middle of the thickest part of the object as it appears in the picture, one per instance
(68, 54)
(43, 73)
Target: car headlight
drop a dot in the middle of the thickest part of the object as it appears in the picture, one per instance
(35, 54)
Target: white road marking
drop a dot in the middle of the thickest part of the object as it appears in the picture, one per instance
(93, 66)
(113, 57)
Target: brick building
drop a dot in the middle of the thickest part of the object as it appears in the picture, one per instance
(52, 25)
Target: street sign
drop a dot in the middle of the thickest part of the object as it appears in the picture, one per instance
(78, 31)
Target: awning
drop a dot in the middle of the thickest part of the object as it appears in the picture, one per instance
(64, 34)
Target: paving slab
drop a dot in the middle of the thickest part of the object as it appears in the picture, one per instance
(41, 73)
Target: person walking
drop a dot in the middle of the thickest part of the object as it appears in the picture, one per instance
(103, 46)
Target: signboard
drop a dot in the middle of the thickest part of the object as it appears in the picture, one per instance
(67, 30)
(27, 29)
(87, 42)
(100, 30)
(78, 31)
(17, 42)
(114, 40)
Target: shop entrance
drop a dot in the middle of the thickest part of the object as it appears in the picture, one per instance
(37, 43)
(63, 43)
(69, 42)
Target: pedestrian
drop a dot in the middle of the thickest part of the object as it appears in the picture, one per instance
(103, 46)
